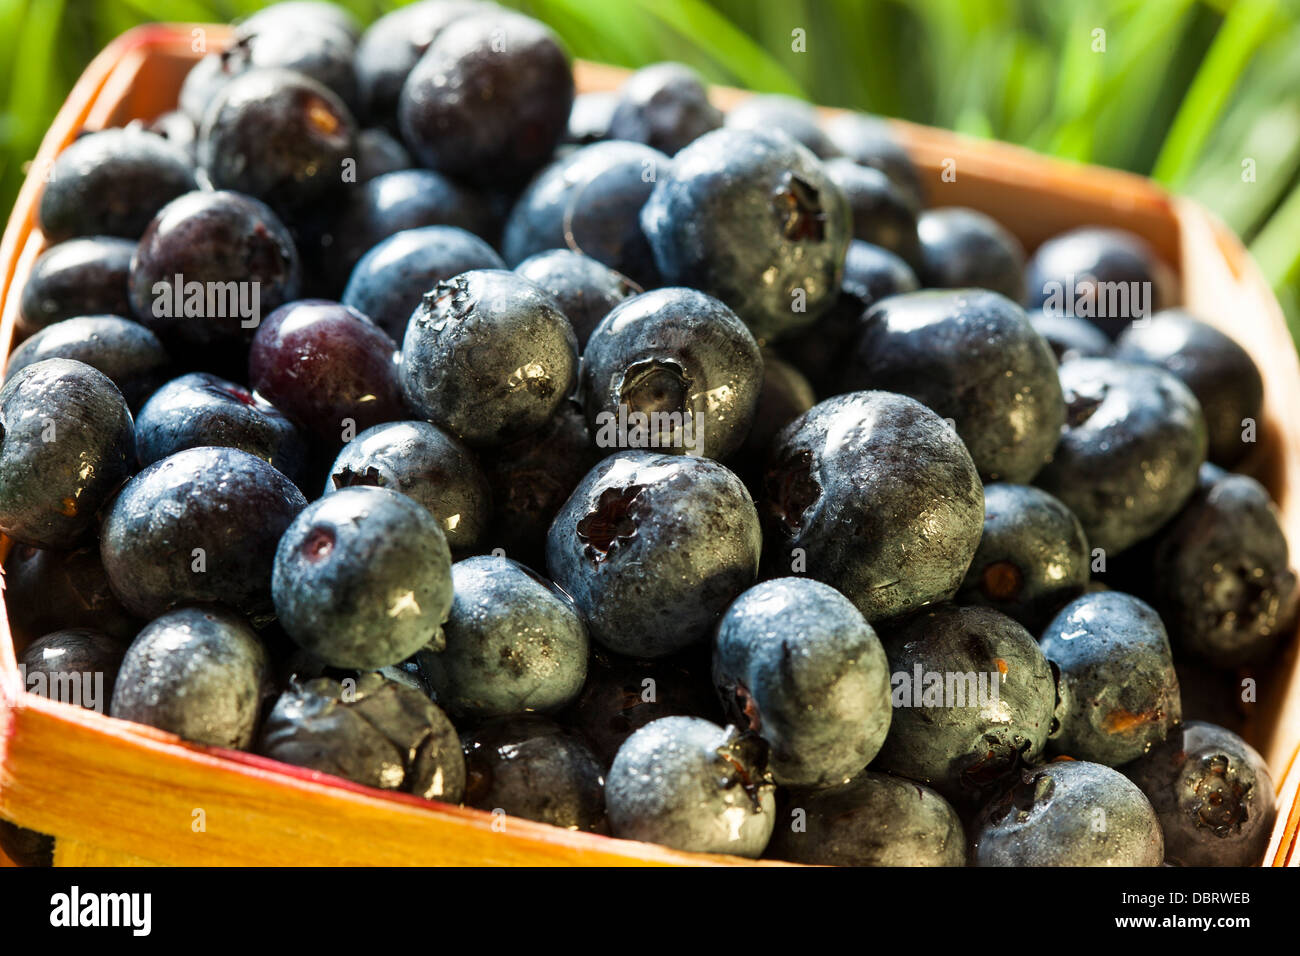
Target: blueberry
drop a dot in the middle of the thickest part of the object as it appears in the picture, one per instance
(883, 214)
(785, 395)
(1220, 373)
(378, 153)
(489, 100)
(1117, 675)
(304, 16)
(585, 289)
(1032, 558)
(180, 531)
(691, 785)
(1127, 460)
(362, 578)
(177, 128)
(868, 141)
(974, 700)
(590, 118)
(209, 267)
(206, 78)
(892, 531)
(514, 642)
(1068, 813)
(673, 369)
(488, 356)
(53, 590)
(111, 183)
(653, 548)
(665, 106)
(278, 136)
(66, 444)
(201, 409)
(128, 353)
(328, 367)
(1220, 575)
(530, 767)
(973, 357)
(426, 464)
(873, 820)
(796, 663)
(78, 277)
(370, 730)
(198, 672)
(794, 117)
(391, 279)
(962, 248)
(1069, 336)
(590, 201)
(753, 219)
(318, 47)
(75, 666)
(1066, 276)
(1212, 793)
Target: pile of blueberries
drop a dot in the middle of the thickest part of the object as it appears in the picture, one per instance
(859, 547)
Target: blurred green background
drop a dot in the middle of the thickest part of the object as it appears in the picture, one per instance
(1204, 95)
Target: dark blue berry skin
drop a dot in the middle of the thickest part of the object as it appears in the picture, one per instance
(199, 672)
(52, 590)
(585, 290)
(391, 279)
(488, 356)
(83, 654)
(891, 531)
(180, 532)
(66, 444)
(1069, 336)
(963, 248)
(873, 820)
(489, 100)
(665, 106)
(868, 141)
(78, 277)
(1107, 255)
(178, 129)
(689, 784)
(972, 357)
(751, 218)
(376, 732)
(128, 353)
(796, 663)
(1032, 559)
(679, 352)
(515, 642)
(422, 462)
(653, 548)
(1220, 373)
(883, 214)
(1116, 675)
(313, 46)
(111, 183)
(311, 16)
(590, 201)
(201, 409)
(1212, 793)
(379, 152)
(1127, 461)
(221, 239)
(794, 117)
(785, 395)
(530, 767)
(1220, 576)
(363, 578)
(1050, 818)
(963, 741)
(590, 118)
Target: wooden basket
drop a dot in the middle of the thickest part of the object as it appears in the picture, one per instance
(114, 792)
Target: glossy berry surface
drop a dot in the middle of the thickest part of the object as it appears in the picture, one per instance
(52, 590)
(784, 396)
(753, 219)
(796, 663)
(179, 532)
(66, 444)
(584, 289)
(891, 532)
(198, 672)
(665, 106)
(794, 117)
(963, 248)
(1070, 336)
(640, 547)
(589, 119)
(426, 464)
(868, 141)
(530, 767)
(691, 785)
(488, 356)
(1049, 818)
(377, 732)
(362, 578)
(328, 367)
(86, 276)
(379, 152)
(74, 666)
(883, 214)
(1212, 793)
(684, 362)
